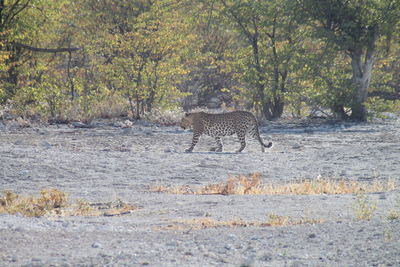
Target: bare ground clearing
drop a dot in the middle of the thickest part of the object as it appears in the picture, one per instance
(106, 163)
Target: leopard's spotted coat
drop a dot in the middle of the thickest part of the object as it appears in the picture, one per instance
(219, 125)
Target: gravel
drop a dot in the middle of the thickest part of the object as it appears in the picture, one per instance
(106, 162)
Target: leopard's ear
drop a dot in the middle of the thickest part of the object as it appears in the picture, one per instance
(187, 114)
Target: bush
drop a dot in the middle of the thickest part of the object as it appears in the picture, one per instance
(164, 117)
(364, 209)
(377, 107)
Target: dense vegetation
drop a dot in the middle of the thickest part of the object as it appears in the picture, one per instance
(64, 60)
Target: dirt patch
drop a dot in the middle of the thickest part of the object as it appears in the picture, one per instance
(107, 162)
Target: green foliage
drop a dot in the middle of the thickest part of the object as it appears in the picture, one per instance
(262, 60)
(395, 213)
(143, 55)
(378, 106)
(349, 24)
(354, 27)
(363, 208)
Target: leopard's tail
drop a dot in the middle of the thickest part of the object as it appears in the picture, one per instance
(256, 135)
(269, 145)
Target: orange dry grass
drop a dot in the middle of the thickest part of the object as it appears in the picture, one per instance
(50, 200)
(329, 186)
(55, 202)
(252, 185)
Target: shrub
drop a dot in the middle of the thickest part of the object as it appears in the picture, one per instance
(377, 106)
(395, 214)
(363, 208)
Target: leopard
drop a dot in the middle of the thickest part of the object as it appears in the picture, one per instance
(224, 124)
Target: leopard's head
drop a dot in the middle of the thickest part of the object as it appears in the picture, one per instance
(187, 121)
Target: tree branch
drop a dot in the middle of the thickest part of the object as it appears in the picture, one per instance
(47, 50)
(11, 16)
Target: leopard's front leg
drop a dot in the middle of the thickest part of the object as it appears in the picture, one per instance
(219, 146)
(195, 139)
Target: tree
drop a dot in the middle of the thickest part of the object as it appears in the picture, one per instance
(207, 82)
(137, 47)
(270, 37)
(354, 27)
(21, 28)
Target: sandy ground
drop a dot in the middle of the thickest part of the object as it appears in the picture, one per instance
(105, 163)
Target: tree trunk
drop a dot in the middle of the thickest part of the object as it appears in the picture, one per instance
(268, 105)
(265, 106)
(278, 107)
(362, 73)
(131, 106)
(150, 100)
(339, 111)
(137, 108)
(273, 109)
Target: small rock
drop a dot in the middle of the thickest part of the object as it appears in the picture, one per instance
(127, 124)
(232, 236)
(78, 124)
(266, 257)
(17, 228)
(228, 247)
(118, 124)
(312, 235)
(96, 245)
(295, 264)
(23, 123)
(248, 262)
(45, 144)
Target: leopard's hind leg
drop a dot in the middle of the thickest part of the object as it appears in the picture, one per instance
(242, 139)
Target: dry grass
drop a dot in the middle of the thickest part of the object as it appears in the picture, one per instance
(364, 209)
(53, 202)
(49, 201)
(204, 222)
(253, 185)
(395, 213)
